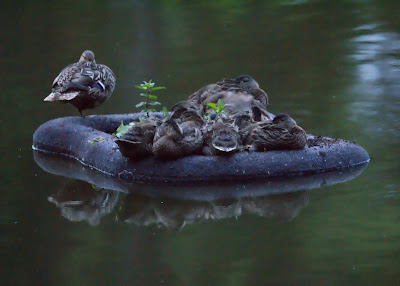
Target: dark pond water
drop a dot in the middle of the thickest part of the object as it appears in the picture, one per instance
(333, 65)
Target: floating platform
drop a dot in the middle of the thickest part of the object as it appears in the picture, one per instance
(89, 140)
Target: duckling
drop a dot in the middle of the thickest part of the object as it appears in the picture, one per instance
(280, 134)
(191, 123)
(242, 120)
(166, 141)
(84, 84)
(173, 140)
(221, 139)
(191, 118)
(137, 142)
(181, 107)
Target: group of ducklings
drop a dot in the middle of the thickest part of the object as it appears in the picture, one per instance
(192, 127)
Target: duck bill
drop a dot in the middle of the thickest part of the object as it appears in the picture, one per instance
(224, 148)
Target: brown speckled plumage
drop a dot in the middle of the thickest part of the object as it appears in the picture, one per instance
(173, 140)
(221, 139)
(280, 134)
(137, 142)
(84, 84)
(243, 84)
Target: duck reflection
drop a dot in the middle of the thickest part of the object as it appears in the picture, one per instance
(141, 210)
(174, 206)
(81, 201)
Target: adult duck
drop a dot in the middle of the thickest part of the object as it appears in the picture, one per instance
(240, 84)
(84, 84)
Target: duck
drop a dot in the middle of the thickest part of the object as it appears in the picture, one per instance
(173, 140)
(242, 83)
(83, 84)
(281, 133)
(221, 139)
(180, 107)
(238, 103)
(191, 125)
(137, 142)
(166, 141)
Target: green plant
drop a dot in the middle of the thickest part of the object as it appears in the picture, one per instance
(148, 88)
(165, 111)
(219, 108)
(122, 129)
(151, 100)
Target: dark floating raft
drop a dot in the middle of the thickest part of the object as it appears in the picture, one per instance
(89, 141)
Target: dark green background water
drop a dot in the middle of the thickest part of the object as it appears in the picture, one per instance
(333, 65)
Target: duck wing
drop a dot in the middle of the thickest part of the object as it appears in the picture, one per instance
(65, 76)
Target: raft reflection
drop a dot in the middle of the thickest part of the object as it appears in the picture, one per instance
(92, 195)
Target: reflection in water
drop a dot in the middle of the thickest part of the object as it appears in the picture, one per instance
(175, 214)
(80, 201)
(378, 81)
(174, 206)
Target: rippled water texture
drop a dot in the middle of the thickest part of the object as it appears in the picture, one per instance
(333, 65)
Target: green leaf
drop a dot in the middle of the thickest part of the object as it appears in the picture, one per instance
(152, 97)
(153, 103)
(144, 95)
(140, 87)
(121, 130)
(212, 105)
(165, 111)
(157, 88)
(140, 104)
(152, 110)
(220, 105)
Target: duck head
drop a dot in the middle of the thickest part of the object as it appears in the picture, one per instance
(172, 130)
(246, 81)
(193, 116)
(284, 120)
(181, 107)
(87, 56)
(224, 138)
(242, 120)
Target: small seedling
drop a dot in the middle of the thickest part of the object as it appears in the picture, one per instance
(121, 130)
(151, 100)
(165, 111)
(218, 108)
